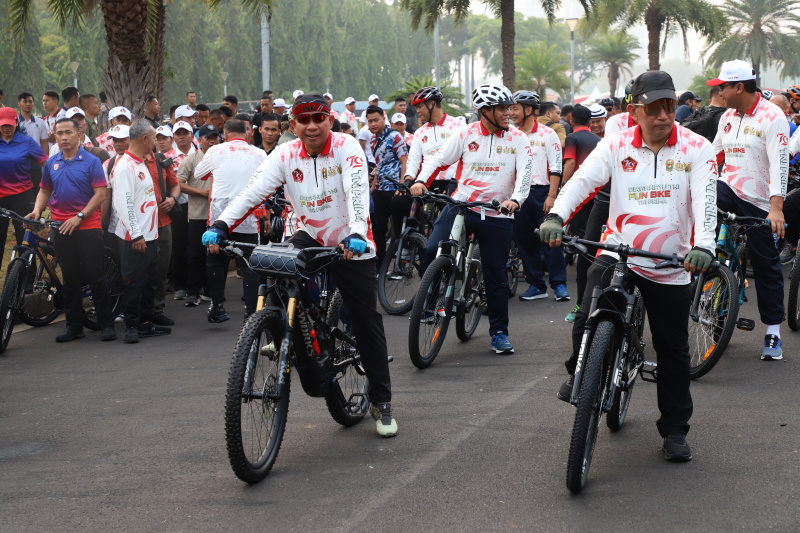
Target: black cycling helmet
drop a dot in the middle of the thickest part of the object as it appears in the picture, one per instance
(427, 93)
(606, 102)
(628, 91)
(527, 98)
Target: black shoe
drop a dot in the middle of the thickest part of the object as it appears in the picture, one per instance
(788, 252)
(162, 320)
(192, 301)
(108, 334)
(217, 314)
(565, 392)
(152, 330)
(131, 336)
(70, 334)
(676, 448)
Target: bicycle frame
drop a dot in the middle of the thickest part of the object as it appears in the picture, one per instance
(728, 244)
(454, 248)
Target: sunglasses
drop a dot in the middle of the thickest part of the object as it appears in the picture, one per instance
(654, 108)
(306, 119)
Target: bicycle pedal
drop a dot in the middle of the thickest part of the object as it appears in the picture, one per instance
(391, 358)
(649, 372)
(746, 324)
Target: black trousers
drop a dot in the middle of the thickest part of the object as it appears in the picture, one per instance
(791, 212)
(762, 254)
(180, 259)
(667, 309)
(196, 255)
(526, 219)
(139, 277)
(22, 204)
(594, 229)
(217, 272)
(359, 288)
(387, 205)
(77, 254)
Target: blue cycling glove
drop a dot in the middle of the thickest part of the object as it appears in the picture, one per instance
(355, 243)
(214, 235)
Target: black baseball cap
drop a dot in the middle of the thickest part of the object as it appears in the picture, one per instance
(653, 85)
(689, 95)
(207, 130)
(310, 103)
(581, 113)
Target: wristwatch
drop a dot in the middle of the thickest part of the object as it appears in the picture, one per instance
(80, 215)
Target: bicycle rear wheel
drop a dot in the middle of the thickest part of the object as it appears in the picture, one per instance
(45, 301)
(429, 317)
(111, 271)
(9, 300)
(398, 281)
(590, 407)
(793, 307)
(349, 407)
(717, 313)
(254, 421)
(474, 299)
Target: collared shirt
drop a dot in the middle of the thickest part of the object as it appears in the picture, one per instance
(35, 128)
(427, 141)
(663, 202)
(579, 144)
(50, 122)
(619, 122)
(72, 182)
(232, 164)
(106, 142)
(490, 166)
(87, 142)
(133, 198)
(348, 117)
(15, 163)
(388, 148)
(546, 151)
(197, 205)
(756, 152)
(329, 192)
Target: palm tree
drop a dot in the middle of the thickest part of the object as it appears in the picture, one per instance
(762, 31)
(135, 38)
(662, 18)
(453, 103)
(540, 67)
(432, 11)
(615, 51)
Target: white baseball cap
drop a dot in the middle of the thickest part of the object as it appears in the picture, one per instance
(398, 117)
(184, 111)
(598, 111)
(373, 97)
(118, 111)
(71, 112)
(328, 95)
(349, 100)
(736, 70)
(280, 102)
(164, 130)
(120, 131)
(297, 93)
(181, 125)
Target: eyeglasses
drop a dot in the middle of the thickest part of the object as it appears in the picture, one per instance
(306, 119)
(609, 109)
(654, 108)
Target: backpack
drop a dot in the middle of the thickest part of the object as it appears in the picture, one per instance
(704, 121)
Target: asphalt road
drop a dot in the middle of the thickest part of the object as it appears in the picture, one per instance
(107, 437)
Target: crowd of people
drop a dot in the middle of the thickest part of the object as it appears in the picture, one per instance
(648, 170)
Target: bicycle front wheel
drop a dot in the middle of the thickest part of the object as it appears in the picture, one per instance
(590, 407)
(710, 333)
(44, 301)
(255, 420)
(793, 307)
(429, 316)
(474, 299)
(9, 301)
(349, 407)
(622, 398)
(398, 281)
(113, 277)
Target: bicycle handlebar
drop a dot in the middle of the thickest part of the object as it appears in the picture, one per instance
(36, 225)
(732, 217)
(327, 251)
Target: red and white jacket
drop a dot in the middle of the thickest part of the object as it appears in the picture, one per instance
(329, 192)
(663, 202)
(349, 117)
(234, 165)
(489, 165)
(756, 152)
(427, 141)
(619, 122)
(133, 199)
(547, 153)
(106, 142)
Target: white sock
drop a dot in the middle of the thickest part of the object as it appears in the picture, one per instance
(774, 329)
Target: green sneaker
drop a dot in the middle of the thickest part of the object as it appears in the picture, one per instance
(179, 295)
(571, 316)
(382, 413)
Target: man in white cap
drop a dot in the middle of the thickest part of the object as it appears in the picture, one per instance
(163, 139)
(279, 107)
(76, 114)
(117, 115)
(597, 124)
(329, 98)
(186, 114)
(752, 140)
(121, 139)
(348, 116)
(399, 125)
(373, 100)
(297, 94)
(182, 147)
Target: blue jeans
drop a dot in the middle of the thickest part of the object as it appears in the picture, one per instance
(494, 239)
(531, 249)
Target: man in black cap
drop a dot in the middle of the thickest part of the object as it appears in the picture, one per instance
(687, 103)
(663, 200)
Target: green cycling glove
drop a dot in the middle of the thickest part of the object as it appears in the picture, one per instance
(552, 229)
(699, 258)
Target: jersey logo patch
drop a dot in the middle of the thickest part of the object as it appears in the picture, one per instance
(424, 139)
(473, 147)
(629, 164)
(141, 176)
(297, 175)
(783, 139)
(670, 165)
(727, 127)
(55, 166)
(354, 160)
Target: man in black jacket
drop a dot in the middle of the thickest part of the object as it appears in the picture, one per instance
(705, 120)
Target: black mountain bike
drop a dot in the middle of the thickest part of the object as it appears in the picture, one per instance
(611, 356)
(291, 329)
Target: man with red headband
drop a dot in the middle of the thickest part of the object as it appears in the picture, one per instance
(325, 177)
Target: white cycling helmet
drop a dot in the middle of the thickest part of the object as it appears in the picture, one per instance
(490, 95)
